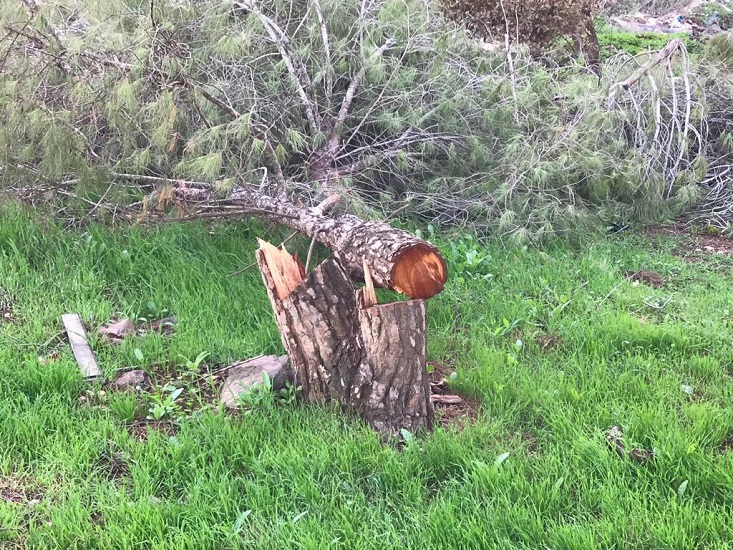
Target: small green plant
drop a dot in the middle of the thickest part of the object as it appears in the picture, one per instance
(150, 312)
(512, 358)
(123, 406)
(164, 405)
(262, 395)
(195, 365)
(468, 260)
(506, 327)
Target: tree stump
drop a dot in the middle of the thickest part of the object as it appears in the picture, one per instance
(344, 347)
(395, 348)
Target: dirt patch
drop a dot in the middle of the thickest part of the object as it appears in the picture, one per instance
(547, 342)
(114, 464)
(680, 228)
(452, 409)
(727, 445)
(530, 440)
(695, 246)
(647, 277)
(11, 494)
(16, 489)
(142, 429)
(714, 244)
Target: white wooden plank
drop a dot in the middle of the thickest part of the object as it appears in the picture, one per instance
(80, 346)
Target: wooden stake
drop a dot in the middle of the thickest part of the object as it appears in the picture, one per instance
(80, 346)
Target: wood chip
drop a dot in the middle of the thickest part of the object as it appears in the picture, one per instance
(447, 399)
(369, 295)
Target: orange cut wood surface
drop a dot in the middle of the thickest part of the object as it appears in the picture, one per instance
(420, 272)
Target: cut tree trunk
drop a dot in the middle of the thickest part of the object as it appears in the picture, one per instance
(368, 358)
(395, 345)
(398, 260)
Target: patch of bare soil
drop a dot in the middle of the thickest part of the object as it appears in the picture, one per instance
(547, 342)
(114, 464)
(142, 429)
(695, 246)
(530, 440)
(647, 277)
(451, 408)
(17, 490)
(727, 445)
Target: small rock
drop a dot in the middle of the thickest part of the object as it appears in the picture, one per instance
(117, 330)
(243, 375)
(131, 380)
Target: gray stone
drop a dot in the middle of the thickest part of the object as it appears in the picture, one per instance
(243, 375)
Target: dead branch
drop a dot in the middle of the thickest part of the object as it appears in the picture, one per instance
(664, 54)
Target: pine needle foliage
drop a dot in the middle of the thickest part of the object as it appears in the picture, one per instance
(385, 102)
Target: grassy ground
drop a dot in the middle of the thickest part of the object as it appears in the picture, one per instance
(596, 351)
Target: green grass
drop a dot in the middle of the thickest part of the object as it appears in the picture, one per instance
(614, 41)
(305, 477)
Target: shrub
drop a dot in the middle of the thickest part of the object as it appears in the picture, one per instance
(534, 22)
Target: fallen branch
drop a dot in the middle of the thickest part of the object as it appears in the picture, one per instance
(665, 53)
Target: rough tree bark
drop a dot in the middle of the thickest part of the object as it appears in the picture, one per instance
(395, 346)
(397, 260)
(368, 358)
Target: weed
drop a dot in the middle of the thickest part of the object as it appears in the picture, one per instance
(194, 366)
(263, 397)
(123, 406)
(164, 402)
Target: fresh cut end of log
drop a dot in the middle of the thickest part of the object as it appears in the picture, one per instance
(420, 272)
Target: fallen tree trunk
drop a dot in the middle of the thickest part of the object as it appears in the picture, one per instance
(397, 260)
(369, 358)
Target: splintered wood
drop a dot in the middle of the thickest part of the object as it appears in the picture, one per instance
(285, 270)
(368, 295)
(345, 347)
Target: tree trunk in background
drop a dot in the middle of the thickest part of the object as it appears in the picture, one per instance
(591, 47)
